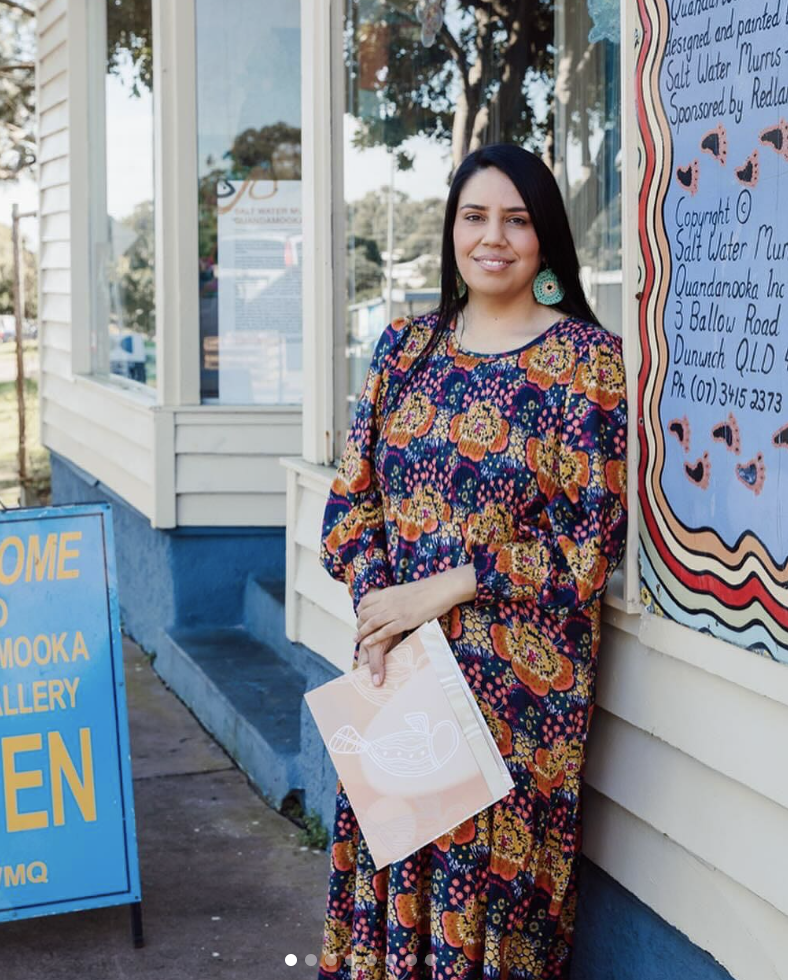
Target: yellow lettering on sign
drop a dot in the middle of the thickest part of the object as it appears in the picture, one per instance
(14, 877)
(18, 558)
(8, 578)
(3, 613)
(65, 553)
(43, 563)
(61, 764)
(15, 781)
(35, 873)
(79, 649)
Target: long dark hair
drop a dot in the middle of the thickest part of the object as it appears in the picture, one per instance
(541, 195)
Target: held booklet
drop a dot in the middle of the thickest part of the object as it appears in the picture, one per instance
(414, 755)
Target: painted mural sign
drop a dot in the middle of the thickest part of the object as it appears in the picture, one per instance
(712, 87)
(67, 833)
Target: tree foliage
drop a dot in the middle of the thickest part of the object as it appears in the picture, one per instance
(490, 72)
(129, 43)
(17, 92)
(133, 273)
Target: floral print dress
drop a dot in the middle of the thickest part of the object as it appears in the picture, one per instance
(514, 462)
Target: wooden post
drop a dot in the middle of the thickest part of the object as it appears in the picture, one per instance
(20, 359)
(16, 295)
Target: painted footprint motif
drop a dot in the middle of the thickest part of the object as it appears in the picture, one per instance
(728, 433)
(777, 138)
(780, 437)
(699, 472)
(716, 143)
(752, 474)
(417, 752)
(680, 428)
(688, 177)
(748, 172)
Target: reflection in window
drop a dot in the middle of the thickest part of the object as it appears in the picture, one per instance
(427, 82)
(123, 336)
(249, 158)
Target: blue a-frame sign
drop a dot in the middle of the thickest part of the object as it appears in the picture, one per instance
(67, 830)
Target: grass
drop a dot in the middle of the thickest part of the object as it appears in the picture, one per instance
(37, 456)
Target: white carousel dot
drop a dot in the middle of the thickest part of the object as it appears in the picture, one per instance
(310, 959)
(331, 959)
(410, 959)
(291, 959)
(429, 959)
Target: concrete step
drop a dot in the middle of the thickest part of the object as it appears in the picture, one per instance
(264, 618)
(245, 695)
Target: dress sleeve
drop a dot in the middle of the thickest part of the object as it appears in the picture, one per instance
(564, 560)
(353, 539)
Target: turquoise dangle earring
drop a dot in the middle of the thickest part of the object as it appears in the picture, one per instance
(462, 286)
(548, 288)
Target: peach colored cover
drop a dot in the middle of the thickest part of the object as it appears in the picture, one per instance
(415, 755)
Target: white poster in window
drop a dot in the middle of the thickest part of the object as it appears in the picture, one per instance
(259, 282)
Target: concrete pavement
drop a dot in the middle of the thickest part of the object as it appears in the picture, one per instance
(227, 890)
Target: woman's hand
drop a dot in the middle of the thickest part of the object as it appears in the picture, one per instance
(374, 654)
(385, 614)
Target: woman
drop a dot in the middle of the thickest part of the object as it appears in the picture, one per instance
(483, 483)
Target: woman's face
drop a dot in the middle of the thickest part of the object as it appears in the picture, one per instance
(495, 243)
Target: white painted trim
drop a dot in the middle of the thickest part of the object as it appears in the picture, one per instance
(747, 669)
(80, 162)
(316, 173)
(338, 366)
(175, 202)
(117, 389)
(291, 509)
(630, 273)
(164, 496)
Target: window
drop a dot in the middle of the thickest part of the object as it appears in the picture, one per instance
(122, 329)
(249, 169)
(426, 82)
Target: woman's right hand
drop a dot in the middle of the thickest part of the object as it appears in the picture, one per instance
(374, 653)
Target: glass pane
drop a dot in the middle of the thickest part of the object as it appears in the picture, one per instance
(426, 83)
(588, 145)
(123, 334)
(249, 154)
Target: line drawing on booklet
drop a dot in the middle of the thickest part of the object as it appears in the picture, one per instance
(417, 752)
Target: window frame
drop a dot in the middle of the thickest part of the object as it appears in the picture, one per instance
(174, 194)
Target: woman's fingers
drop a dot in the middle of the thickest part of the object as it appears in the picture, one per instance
(376, 668)
(376, 654)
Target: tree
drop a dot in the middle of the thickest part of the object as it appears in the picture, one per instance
(134, 272)
(30, 276)
(129, 42)
(497, 55)
(17, 90)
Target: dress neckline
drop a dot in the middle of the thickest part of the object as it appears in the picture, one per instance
(504, 353)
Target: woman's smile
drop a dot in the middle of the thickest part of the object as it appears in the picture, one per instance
(491, 263)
